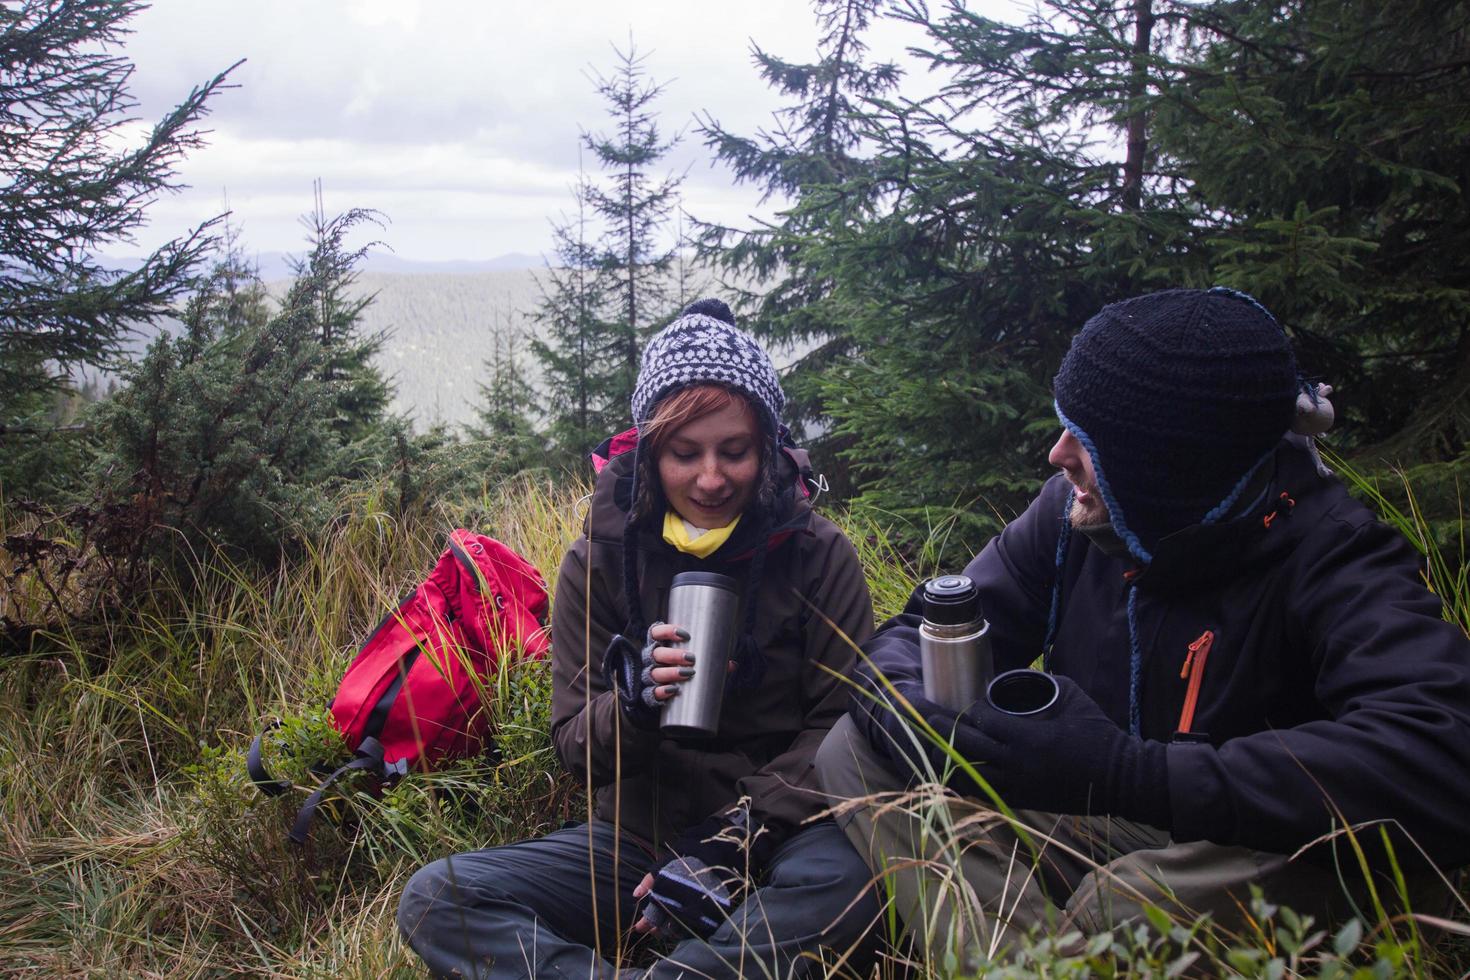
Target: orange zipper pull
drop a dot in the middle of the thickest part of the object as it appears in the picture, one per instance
(1194, 669)
(1203, 643)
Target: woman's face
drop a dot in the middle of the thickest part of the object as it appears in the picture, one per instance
(710, 465)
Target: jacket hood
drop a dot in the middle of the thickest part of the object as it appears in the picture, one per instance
(1204, 555)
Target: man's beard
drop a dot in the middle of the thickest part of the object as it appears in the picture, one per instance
(1089, 513)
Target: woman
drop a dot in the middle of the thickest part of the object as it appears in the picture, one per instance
(701, 842)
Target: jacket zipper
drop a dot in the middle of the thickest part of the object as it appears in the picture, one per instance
(1194, 669)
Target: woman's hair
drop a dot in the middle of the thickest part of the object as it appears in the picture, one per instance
(670, 415)
(685, 406)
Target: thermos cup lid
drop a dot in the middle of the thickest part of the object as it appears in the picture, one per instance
(951, 600)
(712, 579)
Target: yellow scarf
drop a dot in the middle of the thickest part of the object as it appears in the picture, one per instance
(676, 533)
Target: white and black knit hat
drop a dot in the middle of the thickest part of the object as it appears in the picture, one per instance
(703, 345)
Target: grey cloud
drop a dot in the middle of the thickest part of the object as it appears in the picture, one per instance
(459, 119)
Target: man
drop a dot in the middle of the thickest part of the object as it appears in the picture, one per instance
(1247, 662)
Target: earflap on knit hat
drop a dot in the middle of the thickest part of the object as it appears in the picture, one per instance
(703, 346)
(1178, 397)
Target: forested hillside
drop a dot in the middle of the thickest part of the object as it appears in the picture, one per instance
(441, 330)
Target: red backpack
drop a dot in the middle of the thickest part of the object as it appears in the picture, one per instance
(417, 691)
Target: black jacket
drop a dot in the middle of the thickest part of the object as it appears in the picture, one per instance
(1332, 680)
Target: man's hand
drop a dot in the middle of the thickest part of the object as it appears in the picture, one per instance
(905, 742)
(1070, 758)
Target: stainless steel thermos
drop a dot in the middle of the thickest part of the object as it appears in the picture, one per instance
(705, 604)
(954, 645)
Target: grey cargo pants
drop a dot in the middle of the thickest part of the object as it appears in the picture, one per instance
(561, 906)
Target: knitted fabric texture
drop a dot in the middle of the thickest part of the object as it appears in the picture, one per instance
(704, 345)
(1177, 396)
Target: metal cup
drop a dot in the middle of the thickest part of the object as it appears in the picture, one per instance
(1023, 692)
(705, 605)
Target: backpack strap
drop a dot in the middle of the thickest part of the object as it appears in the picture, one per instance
(259, 775)
(369, 755)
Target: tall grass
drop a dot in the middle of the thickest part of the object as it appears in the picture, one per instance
(132, 844)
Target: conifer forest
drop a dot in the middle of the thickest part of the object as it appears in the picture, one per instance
(210, 492)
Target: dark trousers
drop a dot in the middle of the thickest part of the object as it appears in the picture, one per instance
(562, 906)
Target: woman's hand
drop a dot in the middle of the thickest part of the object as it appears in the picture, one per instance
(644, 923)
(668, 668)
(684, 895)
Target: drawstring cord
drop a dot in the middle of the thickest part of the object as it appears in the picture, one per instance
(1135, 652)
(1064, 541)
(1135, 665)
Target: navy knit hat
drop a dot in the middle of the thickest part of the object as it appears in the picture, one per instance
(1178, 397)
(703, 345)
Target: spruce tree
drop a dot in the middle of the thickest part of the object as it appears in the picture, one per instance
(1329, 139)
(222, 435)
(609, 286)
(634, 206)
(229, 299)
(507, 404)
(236, 432)
(68, 188)
(816, 143)
(573, 346)
(941, 255)
(1307, 153)
(323, 292)
(816, 146)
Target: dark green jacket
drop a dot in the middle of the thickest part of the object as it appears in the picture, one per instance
(658, 787)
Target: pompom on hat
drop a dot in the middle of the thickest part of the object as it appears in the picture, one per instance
(1178, 396)
(702, 346)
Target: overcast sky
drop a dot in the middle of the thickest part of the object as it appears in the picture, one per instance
(460, 121)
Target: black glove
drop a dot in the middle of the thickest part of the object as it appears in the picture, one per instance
(712, 865)
(892, 730)
(1070, 758)
(629, 671)
(691, 894)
